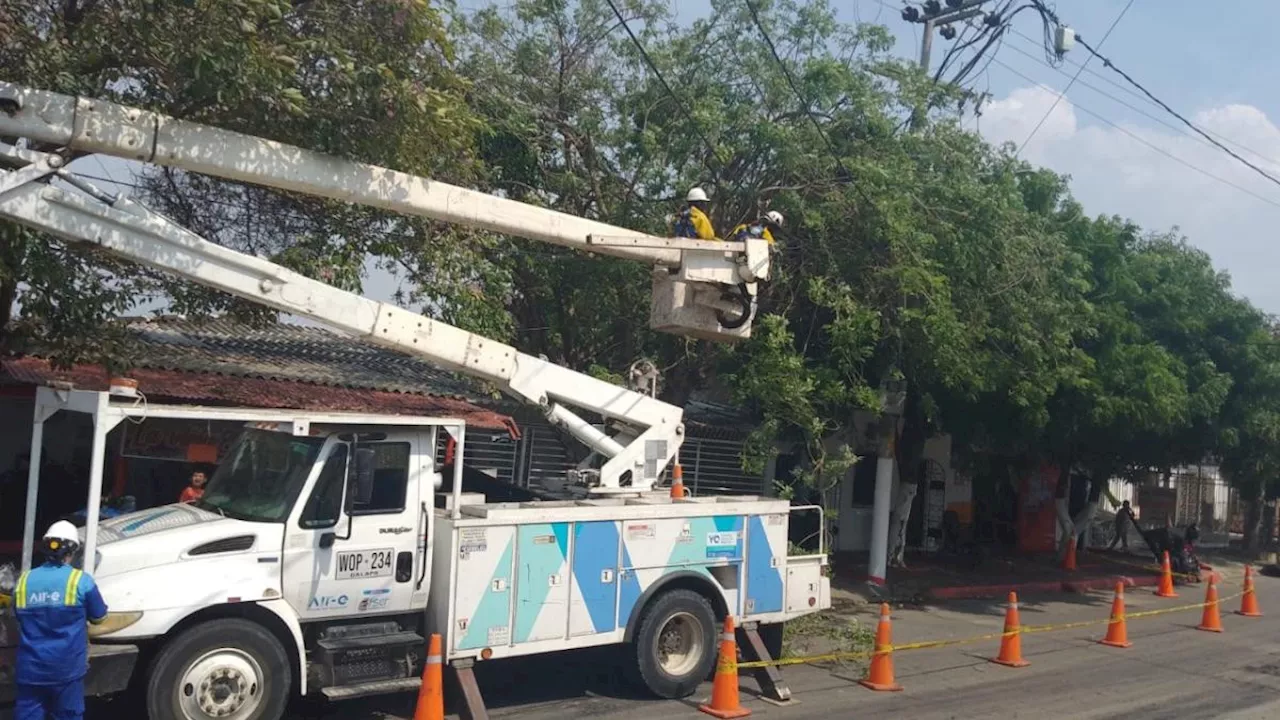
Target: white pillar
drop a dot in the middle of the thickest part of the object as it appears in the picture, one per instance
(877, 564)
(880, 520)
(101, 427)
(33, 487)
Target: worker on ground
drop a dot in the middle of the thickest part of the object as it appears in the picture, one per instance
(195, 490)
(53, 603)
(1124, 518)
(762, 227)
(694, 221)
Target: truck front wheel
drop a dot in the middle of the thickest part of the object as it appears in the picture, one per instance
(227, 669)
(675, 643)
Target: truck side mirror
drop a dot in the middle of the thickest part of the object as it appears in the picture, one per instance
(360, 479)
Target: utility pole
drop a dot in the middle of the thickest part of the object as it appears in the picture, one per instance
(933, 15)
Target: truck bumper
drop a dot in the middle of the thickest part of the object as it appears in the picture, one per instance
(110, 668)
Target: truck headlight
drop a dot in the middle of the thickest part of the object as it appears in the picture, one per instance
(114, 622)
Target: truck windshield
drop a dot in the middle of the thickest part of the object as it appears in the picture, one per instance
(261, 477)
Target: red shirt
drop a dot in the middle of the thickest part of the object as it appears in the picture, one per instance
(191, 494)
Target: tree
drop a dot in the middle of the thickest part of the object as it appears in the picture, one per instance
(885, 269)
(370, 79)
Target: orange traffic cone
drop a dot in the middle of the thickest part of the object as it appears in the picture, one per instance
(1069, 560)
(1011, 641)
(431, 694)
(724, 690)
(678, 490)
(1249, 600)
(1117, 631)
(1210, 621)
(881, 675)
(1165, 590)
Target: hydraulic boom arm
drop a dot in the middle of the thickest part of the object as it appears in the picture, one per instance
(700, 289)
(651, 431)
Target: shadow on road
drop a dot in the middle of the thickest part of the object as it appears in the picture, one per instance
(567, 678)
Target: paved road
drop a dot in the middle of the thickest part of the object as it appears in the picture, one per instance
(1173, 670)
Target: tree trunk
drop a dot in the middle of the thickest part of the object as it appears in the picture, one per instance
(1251, 495)
(898, 518)
(910, 454)
(1072, 527)
(12, 247)
(1266, 538)
(1084, 520)
(1062, 509)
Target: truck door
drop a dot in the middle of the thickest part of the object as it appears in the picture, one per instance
(364, 562)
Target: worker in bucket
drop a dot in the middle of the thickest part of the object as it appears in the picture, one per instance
(53, 603)
(762, 227)
(694, 220)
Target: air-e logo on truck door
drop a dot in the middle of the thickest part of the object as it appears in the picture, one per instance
(365, 564)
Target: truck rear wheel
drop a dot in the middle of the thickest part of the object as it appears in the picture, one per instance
(227, 669)
(675, 643)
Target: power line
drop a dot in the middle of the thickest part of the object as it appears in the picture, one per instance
(1107, 63)
(1113, 98)
(1131, 92)
(808, 108)
(1063, 94)
(658, 74)
(1142, 140)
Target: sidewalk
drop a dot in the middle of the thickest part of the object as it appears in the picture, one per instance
(932, 578)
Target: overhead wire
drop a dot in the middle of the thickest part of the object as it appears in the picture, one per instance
(1063, 94)
(1126, 104)
(1146, 142)
(1138, 96)
(1107, 63)
(653, 67)
(808, 107)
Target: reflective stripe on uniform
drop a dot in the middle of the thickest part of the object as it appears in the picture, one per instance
(20, 592)
(73, 585)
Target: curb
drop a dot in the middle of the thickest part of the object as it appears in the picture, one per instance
(974, 592)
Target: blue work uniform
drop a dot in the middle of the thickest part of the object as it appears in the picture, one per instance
(53, 603)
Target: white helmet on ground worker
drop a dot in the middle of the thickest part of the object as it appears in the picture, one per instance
(696, 194)
(774, 217)
(61, 538)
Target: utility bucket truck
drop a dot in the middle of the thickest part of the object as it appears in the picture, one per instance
(325, 548)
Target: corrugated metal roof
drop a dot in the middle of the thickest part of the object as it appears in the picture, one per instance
(288, 352)
(221, 389)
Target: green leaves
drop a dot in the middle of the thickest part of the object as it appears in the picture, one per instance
(371, 79)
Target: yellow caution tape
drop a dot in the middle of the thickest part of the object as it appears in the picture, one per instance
(1023, 630)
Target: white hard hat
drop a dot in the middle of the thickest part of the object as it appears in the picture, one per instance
(696, 195)
(61, 539)
(62, 530)
(774, 217)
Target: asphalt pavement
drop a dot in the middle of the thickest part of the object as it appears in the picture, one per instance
(1172, 670)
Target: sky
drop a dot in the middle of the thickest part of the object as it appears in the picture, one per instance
(1140, 162)
(1124, 154)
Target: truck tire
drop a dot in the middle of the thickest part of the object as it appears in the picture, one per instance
(675, 643)
(228, 669)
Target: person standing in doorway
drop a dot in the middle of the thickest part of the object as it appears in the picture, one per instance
(195, 490)
(53, 602)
